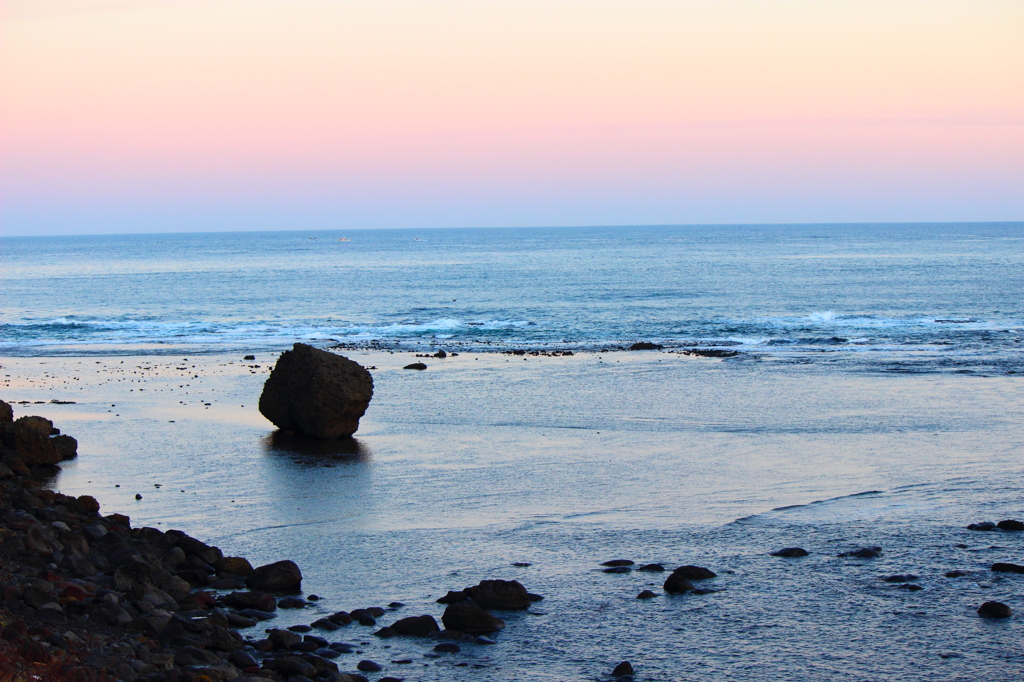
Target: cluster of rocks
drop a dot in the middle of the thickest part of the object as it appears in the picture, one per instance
(679, 580)
(539, 353)
(441, 354)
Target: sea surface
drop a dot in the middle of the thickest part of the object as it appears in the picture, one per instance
(875, 399)
(919, 298)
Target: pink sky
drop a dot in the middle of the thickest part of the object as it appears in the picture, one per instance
(143, 115)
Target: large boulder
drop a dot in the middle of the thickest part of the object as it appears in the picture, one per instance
(281, 576)
(6, 412)
(316, 393)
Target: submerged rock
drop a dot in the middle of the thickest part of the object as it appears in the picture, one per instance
(983, 526)
(863, 553)
(316, 393)
(791, 552)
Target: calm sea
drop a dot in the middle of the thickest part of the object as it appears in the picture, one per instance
(891, 297)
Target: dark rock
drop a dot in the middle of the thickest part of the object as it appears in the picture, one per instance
(415, 365)
(652, 568)
(340, 618)
(521, 564)
(316, 393)
(617, 569)
(385, 632)
(283, 639)
(300, 628)
(646, 345)
(956, 574)
(416, 626)
(1010, 524)
(452, 597)
(902, 578)
(368, 666)
(6, 412)
(910, 587)
(257, 614)
(325, 624)
(694, 573)
(863, 553)
(983, 526)
(677, 584)
(233, 565)
(535, 597)
(290, 666)
(1007, 568)
(241, 659)
(440, 354)
(646, 594)
(486, 641)
(499, 594)
(281, 576)
(791, 552)
(618, 562)
(291, 603)
(466, 616)
(307, 647)
(260, 601)
(994, 609)
(624, 668)
(447, 648)
(249, 357)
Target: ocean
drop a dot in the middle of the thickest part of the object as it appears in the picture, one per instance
(855, 385)
(920, 298)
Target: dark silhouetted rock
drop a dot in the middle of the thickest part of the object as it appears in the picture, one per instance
(249, 357)
(452, 597)
(34, 440)
(791, 552)
(261, 601)
(417, 626)
(316, 393)
(440, 354)
(994, 609)
(415, 365)
(677, 584)
(646, 345)
(983, 526)
(234, 565)
(694, 573)
(281, 576)
(1010, 524)
(863, 553)
(1007, 568)
(368, 666)
(617, 569)
(624, 668)
(499, 594)
(466, 616)
(956, 574)
(618, 562)
(6, 412)
(652, 568)
(646, 594)
(447, 648)
(910, 587)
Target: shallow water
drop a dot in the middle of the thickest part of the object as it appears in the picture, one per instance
(485, 460)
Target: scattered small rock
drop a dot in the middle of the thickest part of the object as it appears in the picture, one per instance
(652, 568)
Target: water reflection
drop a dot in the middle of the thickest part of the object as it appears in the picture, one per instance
(314, 452)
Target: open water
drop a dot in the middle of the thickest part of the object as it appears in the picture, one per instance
(875, 399)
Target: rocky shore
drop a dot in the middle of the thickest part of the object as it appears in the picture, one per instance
(86, 596)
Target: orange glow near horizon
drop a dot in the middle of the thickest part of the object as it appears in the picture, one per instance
(351, 103)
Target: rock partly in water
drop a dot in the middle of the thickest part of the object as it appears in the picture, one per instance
(994, 609)
(281, 576)
(1007, 568)
(499, 594)
(1010, 524)
(35, 440)
(417, 626)
(624, 668)
(618, 562)
(415, 365)
(677, 584)
(694, 573)
(983, 526)
(863, 553)
(791, 552)
(316, 393)
(466, 616)
(646, 345)
(646, 594)
(652, 568)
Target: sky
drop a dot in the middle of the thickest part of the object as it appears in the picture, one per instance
(124, 116)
